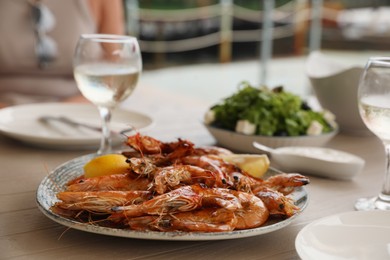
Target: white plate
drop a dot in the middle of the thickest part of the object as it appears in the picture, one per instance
(244, 143)
(56, 181)
(21, 123)
(350, 235)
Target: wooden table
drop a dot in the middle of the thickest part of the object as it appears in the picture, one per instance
(25, 233)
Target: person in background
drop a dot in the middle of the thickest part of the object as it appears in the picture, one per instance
(38, 38)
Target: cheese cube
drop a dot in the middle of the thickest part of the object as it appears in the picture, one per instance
(209, 117)
(245, 127)
(315, 128)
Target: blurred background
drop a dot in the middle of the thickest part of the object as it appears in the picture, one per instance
(177, 32)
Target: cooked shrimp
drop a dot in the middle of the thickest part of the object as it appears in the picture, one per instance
(210, 164)
(172, 176)
(142, 166)
(179, 149)
(277, 203)
(72, 214)
(252, 214)
(121, 182)
(149, 145)
(219, 197)
(182, 199)
(230, 175)
(286, 182)
(147, 222)
(185, 198)
(157, 160)
(205, 220)
(144, 144)
(202, 220)
(100, 201)
(234, 177)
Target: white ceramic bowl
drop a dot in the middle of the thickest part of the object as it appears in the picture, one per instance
(318, 161)
(335, 87)
(244, 143)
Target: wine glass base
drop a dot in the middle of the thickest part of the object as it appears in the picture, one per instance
(375, 203)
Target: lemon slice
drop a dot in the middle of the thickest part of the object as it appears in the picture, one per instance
(254, 164)
(106, 165)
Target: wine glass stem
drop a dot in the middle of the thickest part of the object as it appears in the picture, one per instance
(386, 184)
(105, 143)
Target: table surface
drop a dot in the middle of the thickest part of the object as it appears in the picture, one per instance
(25, 233)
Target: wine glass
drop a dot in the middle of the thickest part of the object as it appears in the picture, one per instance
(106, 68)
(374, 108)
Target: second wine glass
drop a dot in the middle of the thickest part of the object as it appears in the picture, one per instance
(374, 108)
(106, 69)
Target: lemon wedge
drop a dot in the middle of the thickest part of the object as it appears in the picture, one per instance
(106, 165)
(254, 164)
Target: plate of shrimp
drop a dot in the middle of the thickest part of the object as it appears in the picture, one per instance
(172, 191)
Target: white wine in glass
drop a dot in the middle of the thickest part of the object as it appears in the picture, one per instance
(106, 69)
(374, 108)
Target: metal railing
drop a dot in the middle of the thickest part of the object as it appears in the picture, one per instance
(223, 14)
(286, 16)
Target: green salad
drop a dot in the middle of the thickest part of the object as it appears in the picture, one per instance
(269, 112)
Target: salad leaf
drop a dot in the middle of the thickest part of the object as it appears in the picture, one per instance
(274, 112)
